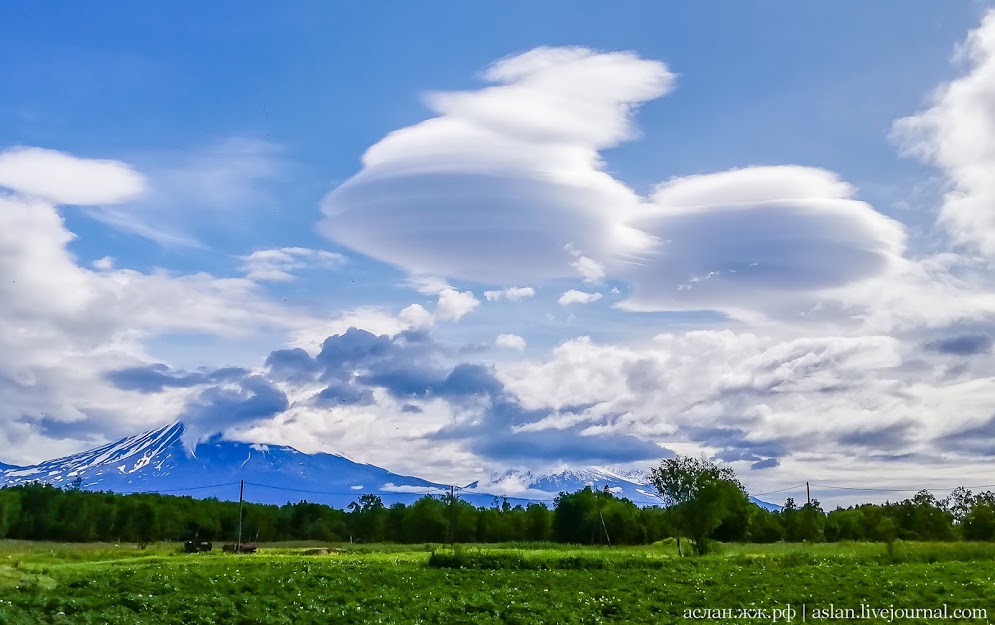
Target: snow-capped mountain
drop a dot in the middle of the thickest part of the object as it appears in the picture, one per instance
(158, 461)
(632, 484)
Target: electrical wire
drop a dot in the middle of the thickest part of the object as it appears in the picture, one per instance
(780, 490)
(174, 490)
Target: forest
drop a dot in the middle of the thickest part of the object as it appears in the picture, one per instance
(44, 512)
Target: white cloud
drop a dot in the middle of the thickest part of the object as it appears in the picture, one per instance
(590, 270)
(507, 184)
(833, 403)
(63, 327)
(931, 292)
(759, 240)
(574, 296)
(64, 179)
(958, 135)
(455, 304)
(381, 434)
(513, 294)
(494, 187)
(276, 265)
(510, 341)
(310, 333)
(104, 264)
(379, 320)
(416, 316)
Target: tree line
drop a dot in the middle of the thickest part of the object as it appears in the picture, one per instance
(705, 504)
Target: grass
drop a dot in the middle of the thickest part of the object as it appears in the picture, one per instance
(296, 583)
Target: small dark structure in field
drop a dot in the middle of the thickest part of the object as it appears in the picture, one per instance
(241, 548)
(197, 546)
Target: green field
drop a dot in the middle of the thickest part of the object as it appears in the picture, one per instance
(311, 583)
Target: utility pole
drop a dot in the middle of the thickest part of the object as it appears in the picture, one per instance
(808, 494)
(241, 492)
(452, 517)
(605, 527)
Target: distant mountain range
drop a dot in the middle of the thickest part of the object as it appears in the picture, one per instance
(158, 461)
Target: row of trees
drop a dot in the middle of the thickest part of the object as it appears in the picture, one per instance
(43, 512)
(706, 503)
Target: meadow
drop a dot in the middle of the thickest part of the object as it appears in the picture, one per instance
(301, 583)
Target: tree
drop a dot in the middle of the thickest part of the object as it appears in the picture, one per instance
(701, 493)
(765, 526)
(538, 522)
(959, 503)
(10, 510)
(813, 522)
(979, 523)
(575, 517)
(427, 520)
(368, 518)
(887, 532)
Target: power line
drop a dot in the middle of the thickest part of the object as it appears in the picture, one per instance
(901, 490)
(780, 490)
(173, 490)
(871, 489)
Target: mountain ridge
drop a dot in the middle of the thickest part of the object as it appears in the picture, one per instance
(159, 461)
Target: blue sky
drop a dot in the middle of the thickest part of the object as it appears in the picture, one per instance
(209, 165)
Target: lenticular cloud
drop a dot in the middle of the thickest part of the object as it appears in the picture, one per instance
(507, 185)
(496, 186)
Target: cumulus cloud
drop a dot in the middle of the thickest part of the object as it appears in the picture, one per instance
(61, 178)
(63, 325)
(957, 134)
(225, 398)
(573, 296)
(510, 341)
(309, 333)
(513, 294)
(276, 265)
(781, 405)
(455, 304)
(415, 316)
(404, 380)
(589, 269)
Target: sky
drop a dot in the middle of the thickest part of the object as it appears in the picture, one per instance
(453, 239)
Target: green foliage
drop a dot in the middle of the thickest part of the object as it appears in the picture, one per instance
(597, 517)
(703, 495)
(720, 513)
(10, 511)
